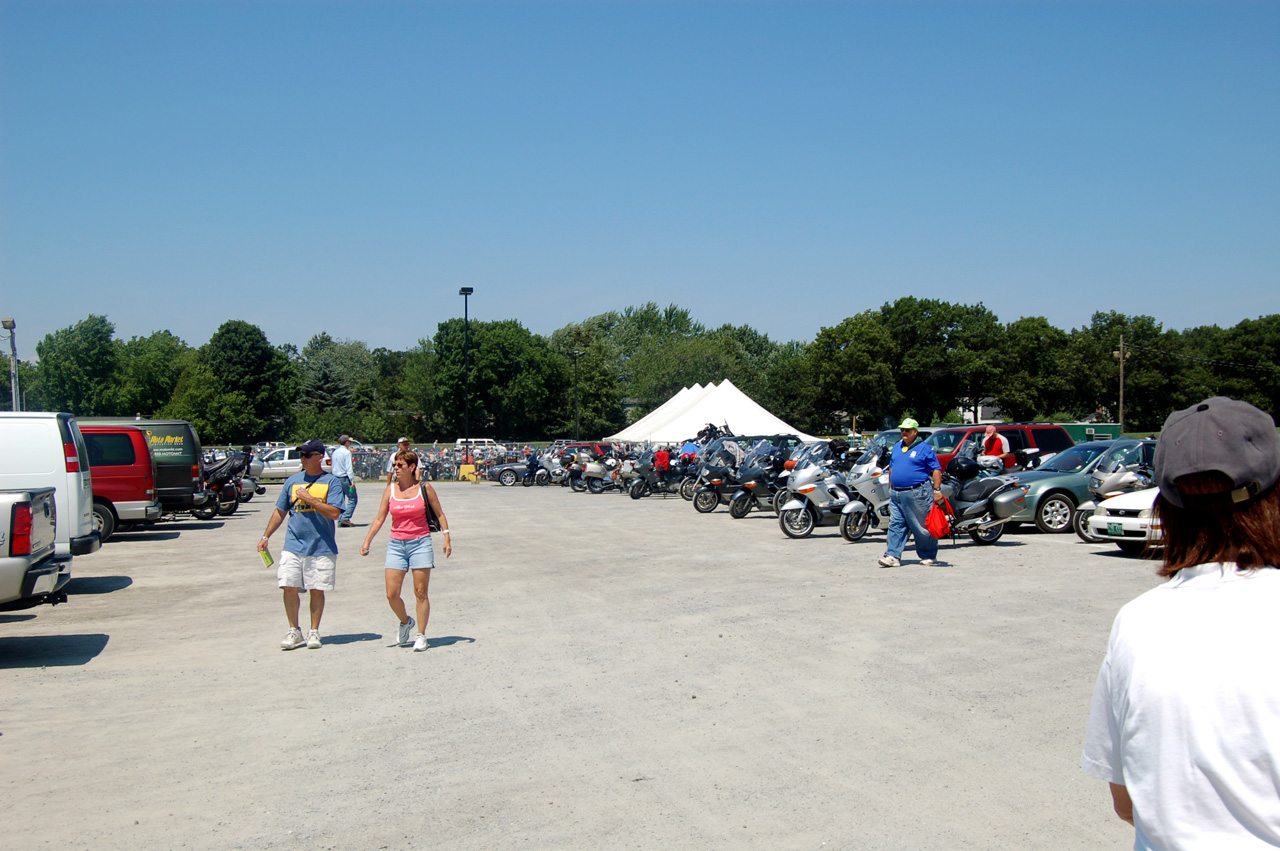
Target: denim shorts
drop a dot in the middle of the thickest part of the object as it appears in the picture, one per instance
(415, 554)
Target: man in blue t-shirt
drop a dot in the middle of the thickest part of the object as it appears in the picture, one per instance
(312, 500)
(913, 468)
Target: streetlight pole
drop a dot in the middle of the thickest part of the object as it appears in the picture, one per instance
(577, 405)
(11, 326)
(1121, 355)
(466, 292)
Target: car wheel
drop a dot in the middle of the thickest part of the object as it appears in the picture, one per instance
(104, 521)
(1080, 523)
(1053, 515)
(706, 502)
(507, 478)
(797, 522)
(854, 526)
(987, 536)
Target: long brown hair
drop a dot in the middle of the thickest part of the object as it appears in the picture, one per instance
(1248, 536)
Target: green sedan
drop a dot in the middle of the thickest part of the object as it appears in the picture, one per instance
(1056, 488)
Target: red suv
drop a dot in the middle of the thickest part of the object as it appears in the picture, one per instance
(1049, 438)
(124, 477)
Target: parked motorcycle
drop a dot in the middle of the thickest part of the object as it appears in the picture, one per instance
(870, 485)
(222, 481)
(816, 490)
(717, 477)
(647, 481)
(762, 476)
(601, 475)
(982, 504)
(1128, 467)
(534, 473)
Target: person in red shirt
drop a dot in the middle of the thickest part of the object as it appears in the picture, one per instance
(662, 463)
(996, 444)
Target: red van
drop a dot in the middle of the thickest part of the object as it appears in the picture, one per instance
(124, 477)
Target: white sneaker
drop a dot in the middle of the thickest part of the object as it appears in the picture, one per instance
(313, 640)
(889, 561)
(420, 643)
(406, 630)
(928, 562)
(292, 639)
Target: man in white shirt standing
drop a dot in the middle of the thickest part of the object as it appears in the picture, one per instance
(1187, 705)
(342, 471)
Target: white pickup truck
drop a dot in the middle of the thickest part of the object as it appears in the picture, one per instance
(30, 571)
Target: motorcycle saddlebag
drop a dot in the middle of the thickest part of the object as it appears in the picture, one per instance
(1008, 503)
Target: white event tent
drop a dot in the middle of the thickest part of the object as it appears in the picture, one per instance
(689, 411)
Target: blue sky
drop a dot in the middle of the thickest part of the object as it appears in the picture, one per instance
(346, 167)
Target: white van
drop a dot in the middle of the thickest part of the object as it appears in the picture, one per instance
(477, 443)
(39, 449)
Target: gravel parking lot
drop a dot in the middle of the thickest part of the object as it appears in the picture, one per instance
(604, 673)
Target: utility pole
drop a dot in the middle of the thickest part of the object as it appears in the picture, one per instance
(466, 292)
(577, 407)
(1120, 354)
(11, 326)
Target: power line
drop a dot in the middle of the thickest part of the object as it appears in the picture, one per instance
(1163, 353)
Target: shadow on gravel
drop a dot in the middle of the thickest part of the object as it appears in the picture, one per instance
(147, 536)
(351, 638)
(97, 584)
(1116, 553)
(184, 525)
(16, 618)
(446, 640)
(37, 651)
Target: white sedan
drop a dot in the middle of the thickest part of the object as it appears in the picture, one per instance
(283, 463)
(1129, 520)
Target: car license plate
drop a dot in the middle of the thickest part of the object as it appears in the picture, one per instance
(1115, 529)
(45, 583)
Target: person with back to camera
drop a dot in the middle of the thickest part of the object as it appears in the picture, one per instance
(913, 466)
(410, 545)
(343, 470)
(1185, 721)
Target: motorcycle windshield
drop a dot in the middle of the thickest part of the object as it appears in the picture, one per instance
(813, 455)
(1122, 457)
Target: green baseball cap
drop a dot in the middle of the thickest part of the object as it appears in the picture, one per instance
(908, 423)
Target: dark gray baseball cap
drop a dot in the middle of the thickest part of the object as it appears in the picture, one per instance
(1224, 435)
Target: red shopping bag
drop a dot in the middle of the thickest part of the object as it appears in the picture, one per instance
(939, 520)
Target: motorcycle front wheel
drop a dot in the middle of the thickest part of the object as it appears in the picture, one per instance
(706, 502)
(739, 508)
(687, 488)
(542, 478)
(797, 522)
(1080, 524)
(854, 526)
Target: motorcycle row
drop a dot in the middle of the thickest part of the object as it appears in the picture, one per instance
(803, 485)
(230, 481)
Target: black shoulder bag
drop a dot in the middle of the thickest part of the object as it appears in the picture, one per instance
(433, 522)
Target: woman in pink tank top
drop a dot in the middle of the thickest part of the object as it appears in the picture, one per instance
(410, 546)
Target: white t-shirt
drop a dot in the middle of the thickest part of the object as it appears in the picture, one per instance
(1186, 711)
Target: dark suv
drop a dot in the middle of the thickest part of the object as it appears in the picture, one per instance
(1047, 437)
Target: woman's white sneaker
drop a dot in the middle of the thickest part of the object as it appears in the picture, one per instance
(405, 632)
(420, 643)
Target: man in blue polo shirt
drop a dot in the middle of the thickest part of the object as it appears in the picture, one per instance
(916, 479)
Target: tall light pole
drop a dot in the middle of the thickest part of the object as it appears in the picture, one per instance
(11, 326)
(466, 292)
(1120, 355)
(577, 406)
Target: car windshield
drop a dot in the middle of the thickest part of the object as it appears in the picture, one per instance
(1075, 459)
(945, 441)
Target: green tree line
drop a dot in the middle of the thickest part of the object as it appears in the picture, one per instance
(922, 357)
